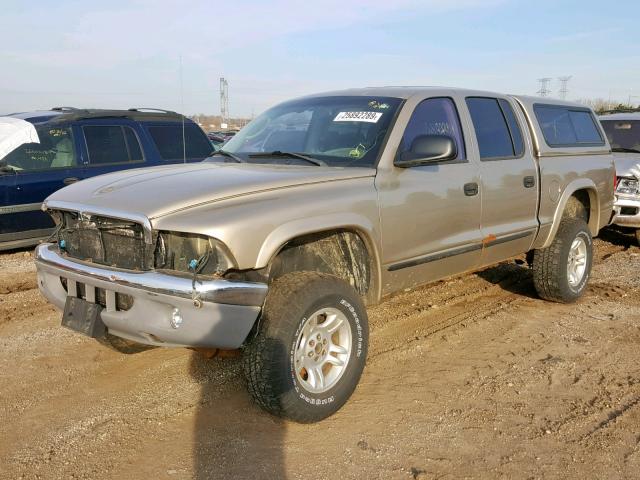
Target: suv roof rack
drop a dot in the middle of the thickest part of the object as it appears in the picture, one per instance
(148, 109)
(71, 114)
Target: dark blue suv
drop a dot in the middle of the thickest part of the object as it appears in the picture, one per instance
(78, 143)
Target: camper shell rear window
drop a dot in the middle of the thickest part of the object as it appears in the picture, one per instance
(567, 126)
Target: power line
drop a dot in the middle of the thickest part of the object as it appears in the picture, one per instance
(544, 87)
(563, 86)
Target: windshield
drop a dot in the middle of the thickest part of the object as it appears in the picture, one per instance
(623, 134)
(55, 150)
(338, 131)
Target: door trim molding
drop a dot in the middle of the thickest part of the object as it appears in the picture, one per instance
(25, 207)
(432, 257)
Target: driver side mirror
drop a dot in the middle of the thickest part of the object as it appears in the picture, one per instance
(426, 149)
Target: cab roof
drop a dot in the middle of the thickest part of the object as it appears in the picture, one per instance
(406, 92)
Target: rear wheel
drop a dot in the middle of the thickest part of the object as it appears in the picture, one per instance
(561, 271)
(310, 351)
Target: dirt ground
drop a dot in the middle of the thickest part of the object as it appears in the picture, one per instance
(473, 377)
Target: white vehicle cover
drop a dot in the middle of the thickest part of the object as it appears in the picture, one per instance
(15, 132)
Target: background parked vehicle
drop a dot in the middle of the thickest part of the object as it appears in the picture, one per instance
(79, 143)
(623, 132)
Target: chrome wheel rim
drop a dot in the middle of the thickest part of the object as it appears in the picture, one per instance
(323, 350)
(577, 262)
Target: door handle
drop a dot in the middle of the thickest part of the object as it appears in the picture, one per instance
(529, 181)
(470, 189)
(70, 180)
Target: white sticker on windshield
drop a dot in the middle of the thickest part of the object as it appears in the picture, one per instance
(370, 117)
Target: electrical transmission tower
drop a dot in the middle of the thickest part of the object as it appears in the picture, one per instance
(544, 87)
(224, 100)
(563, 86)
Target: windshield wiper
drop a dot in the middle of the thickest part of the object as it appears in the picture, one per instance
(298, 156)
(224, 153)
(625, 150)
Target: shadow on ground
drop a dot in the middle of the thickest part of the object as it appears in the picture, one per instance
(512, 277)
(618, 236)
(233, 438)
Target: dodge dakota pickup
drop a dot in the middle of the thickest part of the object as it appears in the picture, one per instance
(321, 206)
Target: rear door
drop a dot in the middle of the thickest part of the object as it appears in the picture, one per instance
(40, 169)
(508, 177)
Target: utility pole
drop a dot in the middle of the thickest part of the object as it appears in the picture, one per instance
(224, 100)
(563, 86)
(544, 87)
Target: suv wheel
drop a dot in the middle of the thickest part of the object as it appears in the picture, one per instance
(561, 271)
(311, 348)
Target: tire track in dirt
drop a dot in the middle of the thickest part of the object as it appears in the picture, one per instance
(474, 298)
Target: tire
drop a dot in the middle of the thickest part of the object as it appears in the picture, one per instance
(275, 360)
(128, 347)
(638, 236)
(550, 265)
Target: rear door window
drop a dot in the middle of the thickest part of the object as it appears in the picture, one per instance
(169, 141)
(567, 126)
(497, 130)
(109, 144)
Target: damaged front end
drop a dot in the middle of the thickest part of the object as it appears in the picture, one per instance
(152, 287)
(123, 244)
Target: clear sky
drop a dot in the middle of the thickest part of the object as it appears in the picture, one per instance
(118, 54)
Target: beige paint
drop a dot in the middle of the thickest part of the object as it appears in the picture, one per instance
(402, 214)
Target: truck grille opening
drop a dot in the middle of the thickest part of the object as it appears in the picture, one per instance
(124, 302)
(629, 211)
(106, 241)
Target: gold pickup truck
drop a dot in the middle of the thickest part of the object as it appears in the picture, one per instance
(319, 207)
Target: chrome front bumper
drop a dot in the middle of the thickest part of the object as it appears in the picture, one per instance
(627, 211)
(222, 318)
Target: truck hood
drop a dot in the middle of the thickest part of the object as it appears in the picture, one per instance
(157, 191)
(625, 162)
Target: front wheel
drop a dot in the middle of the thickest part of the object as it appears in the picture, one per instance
(561, 271)
(311, 348)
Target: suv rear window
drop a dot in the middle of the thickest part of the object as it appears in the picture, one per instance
(108, 144)
(567, 126)
(168, 140)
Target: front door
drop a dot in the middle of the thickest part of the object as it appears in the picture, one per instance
(38, 170)
(430, 214)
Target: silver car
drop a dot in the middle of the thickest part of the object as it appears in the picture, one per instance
(623, 132)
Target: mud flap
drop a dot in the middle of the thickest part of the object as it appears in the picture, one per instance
(84, 317)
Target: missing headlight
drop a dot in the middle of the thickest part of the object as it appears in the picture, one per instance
(176, 250)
